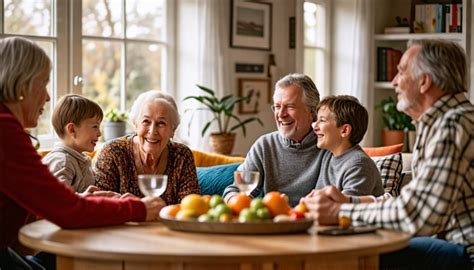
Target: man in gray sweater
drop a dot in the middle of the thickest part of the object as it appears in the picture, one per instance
(288, 159)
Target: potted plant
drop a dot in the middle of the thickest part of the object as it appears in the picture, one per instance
(114, 124)
(222, 109)
(396, 123)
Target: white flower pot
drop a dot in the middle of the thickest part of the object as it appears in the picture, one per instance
(113, 130)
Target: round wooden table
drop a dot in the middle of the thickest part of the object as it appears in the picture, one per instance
(154, 246)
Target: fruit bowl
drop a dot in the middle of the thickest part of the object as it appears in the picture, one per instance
(236, 227)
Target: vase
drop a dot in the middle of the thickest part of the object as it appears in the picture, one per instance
(222, 143)
(114, 130)
(391, 137)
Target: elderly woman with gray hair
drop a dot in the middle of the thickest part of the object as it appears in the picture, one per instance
(155, 117)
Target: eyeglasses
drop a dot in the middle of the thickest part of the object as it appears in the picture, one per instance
(35, 140)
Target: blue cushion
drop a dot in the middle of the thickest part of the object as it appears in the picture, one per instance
(214, 179)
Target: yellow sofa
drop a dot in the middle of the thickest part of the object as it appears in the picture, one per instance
(201, 159)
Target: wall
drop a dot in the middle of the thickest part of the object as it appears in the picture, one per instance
(286, 63)
(186, 64)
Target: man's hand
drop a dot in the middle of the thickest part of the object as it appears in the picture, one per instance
(324, 205)
(153, 207)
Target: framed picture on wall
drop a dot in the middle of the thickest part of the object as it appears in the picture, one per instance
(251, 25)
(261, 92)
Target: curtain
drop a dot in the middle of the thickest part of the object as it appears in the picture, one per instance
(362, 60)
(202, 62)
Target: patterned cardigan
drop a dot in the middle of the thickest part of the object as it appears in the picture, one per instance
(115, 170)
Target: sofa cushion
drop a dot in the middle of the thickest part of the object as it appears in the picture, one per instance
(214, 179)
(384, 150)
(390, 168)
(204, 159)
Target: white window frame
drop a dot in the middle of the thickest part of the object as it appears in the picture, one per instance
(323, 86)
(67, 55)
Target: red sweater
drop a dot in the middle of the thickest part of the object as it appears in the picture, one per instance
(27, 187)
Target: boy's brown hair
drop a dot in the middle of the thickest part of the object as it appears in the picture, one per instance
(73, 109)
(348, 110)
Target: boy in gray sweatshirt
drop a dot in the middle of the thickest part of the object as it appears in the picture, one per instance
(340, 125)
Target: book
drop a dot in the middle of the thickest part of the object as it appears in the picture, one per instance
(397, 30)
(393, 58)
(381, 64)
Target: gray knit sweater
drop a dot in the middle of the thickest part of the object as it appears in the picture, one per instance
(354, 173)
(297, 168)
(284, 166)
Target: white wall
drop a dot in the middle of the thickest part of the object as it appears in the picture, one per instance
(186, 64)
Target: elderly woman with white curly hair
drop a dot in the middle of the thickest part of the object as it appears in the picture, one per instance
(155, 117)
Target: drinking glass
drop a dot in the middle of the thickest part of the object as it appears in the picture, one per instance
(152, 185)
(246, 181)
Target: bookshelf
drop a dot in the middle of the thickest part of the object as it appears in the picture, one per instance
(385, 13)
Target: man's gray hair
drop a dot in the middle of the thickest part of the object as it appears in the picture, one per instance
(21, 60)
(310, 92)
(154, 96)
(444, 60)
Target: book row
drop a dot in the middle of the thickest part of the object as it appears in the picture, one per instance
(387, 61)
(438, 18)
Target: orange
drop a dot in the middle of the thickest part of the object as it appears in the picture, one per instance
(239, 202)
(276, 203)
(186, 214)
(301, 208)
(170, 210)
(196, 203)
(206, 198)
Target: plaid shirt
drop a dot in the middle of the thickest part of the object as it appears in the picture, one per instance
(440, 197)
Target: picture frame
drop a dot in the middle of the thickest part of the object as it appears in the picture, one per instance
(251, 25)
(261, 97)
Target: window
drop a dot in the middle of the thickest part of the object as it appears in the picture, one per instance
(115, 49)
(313, 58)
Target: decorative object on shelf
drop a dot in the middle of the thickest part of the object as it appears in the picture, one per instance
(251, 25)
(396, 123)
(248, 68)
(401, 27)
(222, 109)
(260, 88)
(114, 124)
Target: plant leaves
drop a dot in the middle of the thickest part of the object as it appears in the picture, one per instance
(222, 109)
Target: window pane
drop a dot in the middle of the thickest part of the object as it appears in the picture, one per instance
(44, 123)
(101, 70)
(28, 17)
(145, 19)
(143, 69)
(102, 18)
(310, 23)
(314, 67)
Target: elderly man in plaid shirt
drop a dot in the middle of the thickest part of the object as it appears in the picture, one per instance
(439, 201)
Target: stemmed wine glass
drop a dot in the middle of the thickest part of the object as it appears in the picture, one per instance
(246, 181)
(152, 185)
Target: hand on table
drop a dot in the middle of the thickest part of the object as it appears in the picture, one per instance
(324, 205)
(95, 191)
(153, 206)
